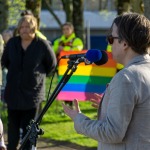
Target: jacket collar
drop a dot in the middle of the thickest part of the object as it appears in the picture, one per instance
(63, 38)
(140, 58)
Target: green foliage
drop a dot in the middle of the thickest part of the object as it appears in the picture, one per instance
(3, 14)
(16, 6)
(3, 113)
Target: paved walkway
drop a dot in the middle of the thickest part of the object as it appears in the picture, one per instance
(48, 144)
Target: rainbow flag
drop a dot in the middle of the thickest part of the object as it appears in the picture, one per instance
(86, 80)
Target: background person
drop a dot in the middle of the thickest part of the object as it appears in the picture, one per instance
(39, 34)
(67, 42)
(1, 51)
(125, 108)
(6, 35)
(28, 59)
(2, 143)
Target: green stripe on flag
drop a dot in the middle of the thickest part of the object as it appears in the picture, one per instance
(88, 79)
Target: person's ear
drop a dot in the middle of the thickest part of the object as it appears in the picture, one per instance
(125, 44)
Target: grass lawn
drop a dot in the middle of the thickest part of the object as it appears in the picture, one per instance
(56, 125)
(60, 127)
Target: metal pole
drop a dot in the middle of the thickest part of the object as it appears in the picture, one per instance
(88, 35)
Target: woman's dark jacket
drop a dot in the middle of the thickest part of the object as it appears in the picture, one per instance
(26, 72)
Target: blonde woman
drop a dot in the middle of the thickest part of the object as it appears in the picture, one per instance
(28, 59)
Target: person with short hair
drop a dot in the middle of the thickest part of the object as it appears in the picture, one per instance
(68, 41)
(124, 110)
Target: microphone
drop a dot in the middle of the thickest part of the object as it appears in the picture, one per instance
(74, 56)
(99, 57)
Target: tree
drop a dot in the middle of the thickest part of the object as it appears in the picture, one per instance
(123, 6)
(35, 7)
(16, 8)
(74, 13)
(68, 8)
(78, 18)
(4, 5)
(9, 15)
(130, 5)
(48, 5)
(147, 8)
(137, 6)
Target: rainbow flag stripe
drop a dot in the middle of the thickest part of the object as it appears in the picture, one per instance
(86, 80)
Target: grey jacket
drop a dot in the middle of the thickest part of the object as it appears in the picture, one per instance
(124, 113)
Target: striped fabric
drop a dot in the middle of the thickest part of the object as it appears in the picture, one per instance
(86, 80)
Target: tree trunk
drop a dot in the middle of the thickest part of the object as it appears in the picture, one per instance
(67, 6)
(35, 7)
(78, 19)
(4, 5)
(137, 6)
(123, 6)
(147, 8)
(48, 5)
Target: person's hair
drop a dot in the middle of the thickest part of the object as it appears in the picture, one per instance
(135, 30)
(26, 12)
(31, 20)
(68, 24)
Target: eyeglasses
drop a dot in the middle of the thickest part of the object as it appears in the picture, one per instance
(111, 38)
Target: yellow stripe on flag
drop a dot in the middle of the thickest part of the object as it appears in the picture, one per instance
(90, 71)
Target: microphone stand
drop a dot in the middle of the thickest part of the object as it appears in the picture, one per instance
(33, 128)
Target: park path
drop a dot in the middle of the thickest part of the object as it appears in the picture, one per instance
(48, 144)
